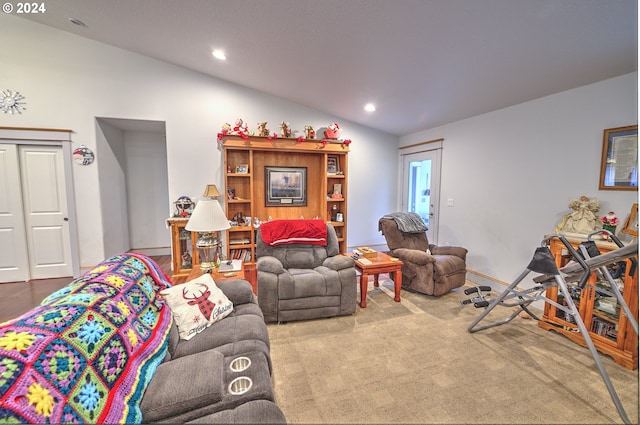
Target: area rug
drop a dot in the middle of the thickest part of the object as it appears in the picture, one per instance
(415, 362)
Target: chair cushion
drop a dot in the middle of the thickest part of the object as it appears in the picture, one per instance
(299, 258)
(184, 384)
(318, 282)
(446, 265)
(245, 323)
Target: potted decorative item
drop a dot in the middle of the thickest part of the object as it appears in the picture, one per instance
(610, 222)
(333, 131)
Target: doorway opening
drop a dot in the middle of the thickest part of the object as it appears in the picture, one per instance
(134, 186)
(421, 187)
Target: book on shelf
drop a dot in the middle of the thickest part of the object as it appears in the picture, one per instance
(604, 328)
(240, 254)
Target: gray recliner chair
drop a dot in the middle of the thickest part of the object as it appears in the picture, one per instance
(428, 269)
(299, 281)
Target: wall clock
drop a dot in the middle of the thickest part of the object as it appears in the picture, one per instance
(11, 101)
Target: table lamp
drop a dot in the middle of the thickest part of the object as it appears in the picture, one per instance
(208, 217)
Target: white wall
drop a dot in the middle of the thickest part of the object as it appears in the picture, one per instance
(513, 172)
(112, 189)
(69, 80)
(147, 191)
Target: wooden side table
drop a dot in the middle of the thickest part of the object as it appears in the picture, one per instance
(381, 264)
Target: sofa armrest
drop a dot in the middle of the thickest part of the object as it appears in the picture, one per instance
(239, 291)
(449, 250)
(338, 262)
(414, 256)
(270, 264)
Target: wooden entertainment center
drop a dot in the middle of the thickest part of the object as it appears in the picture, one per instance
(609, 328)
(247, 162)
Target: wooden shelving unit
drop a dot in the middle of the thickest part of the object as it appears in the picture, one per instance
(244, 163)
(608, 327)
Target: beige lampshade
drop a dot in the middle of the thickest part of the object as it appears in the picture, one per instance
(211, 191)
(207, 217)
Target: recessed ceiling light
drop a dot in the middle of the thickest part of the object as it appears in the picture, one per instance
(369, 107)
(219, 54)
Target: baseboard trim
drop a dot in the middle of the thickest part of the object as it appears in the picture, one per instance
(376, 246)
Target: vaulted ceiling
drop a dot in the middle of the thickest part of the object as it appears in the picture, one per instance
(423, 63)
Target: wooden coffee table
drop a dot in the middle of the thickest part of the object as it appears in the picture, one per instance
(381, 264)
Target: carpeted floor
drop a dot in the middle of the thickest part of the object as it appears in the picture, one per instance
(415, 362)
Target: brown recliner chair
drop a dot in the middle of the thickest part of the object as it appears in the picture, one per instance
(434, 273)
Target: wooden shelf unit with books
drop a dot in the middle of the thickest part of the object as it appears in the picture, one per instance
(245, 161)
(611, 332)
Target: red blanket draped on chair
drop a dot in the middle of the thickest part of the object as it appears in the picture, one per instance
(280, 232)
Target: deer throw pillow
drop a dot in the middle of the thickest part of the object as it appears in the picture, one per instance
(196, 305)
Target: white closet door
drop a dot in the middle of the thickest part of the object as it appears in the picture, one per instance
(14, 258)
(45, 211)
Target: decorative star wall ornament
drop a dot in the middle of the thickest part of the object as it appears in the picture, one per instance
(11, 101)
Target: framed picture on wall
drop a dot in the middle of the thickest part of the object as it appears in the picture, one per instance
(285, 186)
(619, 162)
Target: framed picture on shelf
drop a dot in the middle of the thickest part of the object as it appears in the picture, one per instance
(285, 186)
(619, 162)
(332, 164)
(242, 169)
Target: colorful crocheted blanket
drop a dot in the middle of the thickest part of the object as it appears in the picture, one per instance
(87, 353)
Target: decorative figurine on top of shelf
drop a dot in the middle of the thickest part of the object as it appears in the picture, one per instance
(310, 133)
(262, 129)
(582, 220)
(241, 128)
(184, 207)
(609, 222)
(333, 131)
(286, 130)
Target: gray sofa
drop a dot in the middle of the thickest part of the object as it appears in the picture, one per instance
(193, 384)
(302, 281)
(108, 351)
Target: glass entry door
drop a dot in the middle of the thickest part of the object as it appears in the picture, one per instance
(421, 188)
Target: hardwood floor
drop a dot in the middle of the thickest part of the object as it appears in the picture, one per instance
(16, 298)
